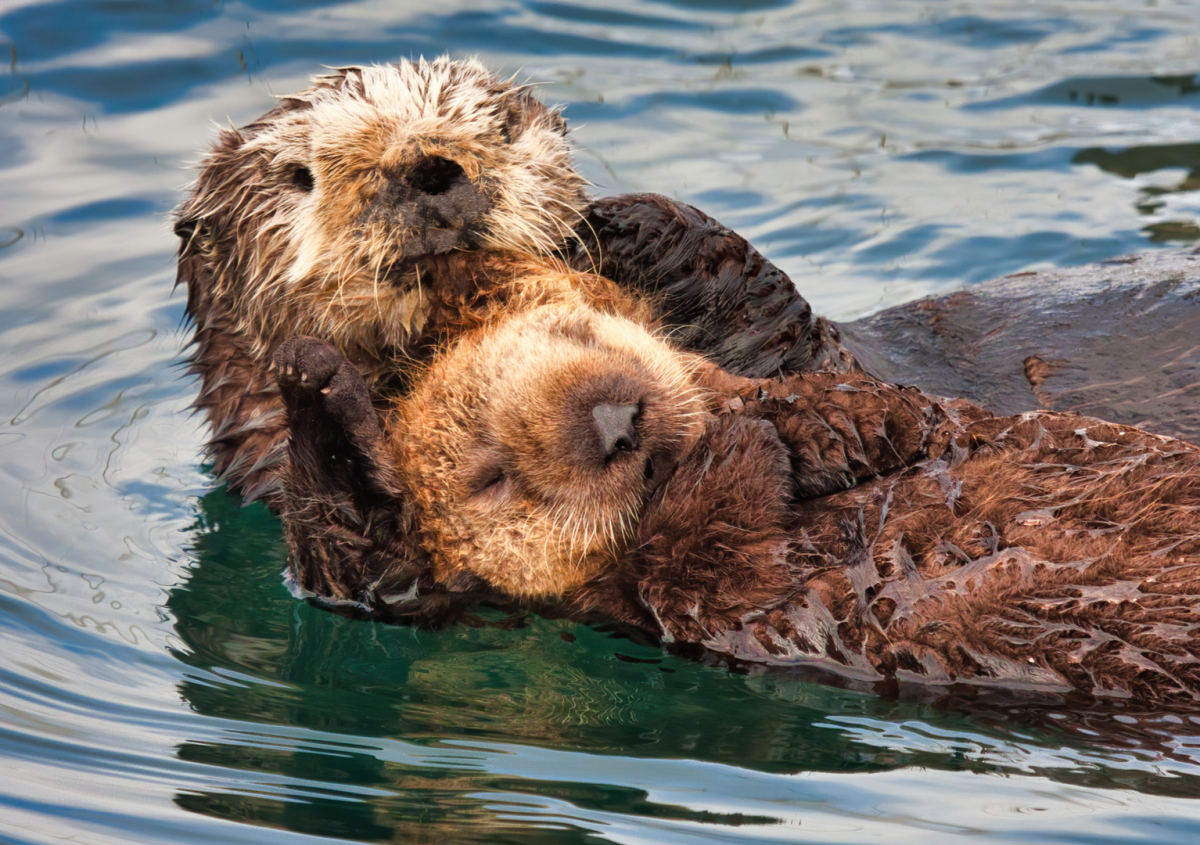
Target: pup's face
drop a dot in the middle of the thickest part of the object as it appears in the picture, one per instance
(533, 446)
(325, 208)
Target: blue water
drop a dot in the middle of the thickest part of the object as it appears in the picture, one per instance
(159, 685)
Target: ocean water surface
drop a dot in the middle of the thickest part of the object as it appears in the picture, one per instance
(157, 682)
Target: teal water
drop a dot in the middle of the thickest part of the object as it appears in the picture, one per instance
(157, 682)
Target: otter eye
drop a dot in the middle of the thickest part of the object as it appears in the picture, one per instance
(490, 482)
(511, 127)
(302, 178)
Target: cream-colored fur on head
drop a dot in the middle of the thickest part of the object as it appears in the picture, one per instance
(489, 436)
(281, 205)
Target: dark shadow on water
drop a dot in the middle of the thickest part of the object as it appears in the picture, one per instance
(1130, 162)
(1125, 92)
(264, 659)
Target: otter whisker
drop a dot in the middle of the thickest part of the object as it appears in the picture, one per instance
(375, 288)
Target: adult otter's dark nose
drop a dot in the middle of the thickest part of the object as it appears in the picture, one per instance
(615, 428)
(436, 202)
(436, 176)
(442, 196)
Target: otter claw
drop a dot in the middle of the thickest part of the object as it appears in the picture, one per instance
(306, 363)
(314, 375)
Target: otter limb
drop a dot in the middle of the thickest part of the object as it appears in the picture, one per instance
(341, 517)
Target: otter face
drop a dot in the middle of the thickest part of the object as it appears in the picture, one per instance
(532, 446)
(316, 217)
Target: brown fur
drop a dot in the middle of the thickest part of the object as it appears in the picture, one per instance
(306, 221)
(828, 519)
(501, 484)
(349, 523)
(339, 250)
(354, 209)
(376, 207)
(369, 210)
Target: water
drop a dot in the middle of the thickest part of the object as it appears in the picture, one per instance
(158, 684)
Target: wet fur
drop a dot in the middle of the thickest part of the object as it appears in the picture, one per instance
(265, 255)
(1040, 552)
(306, 221)
(503, 481)
(349, 498)
(289, 230)
(839, 521)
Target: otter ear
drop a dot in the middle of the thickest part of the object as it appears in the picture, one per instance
(185, 228)
(186, 224)
(191, 270)
(525, 110)
(550, 116)
(558, 121)
(352, 81)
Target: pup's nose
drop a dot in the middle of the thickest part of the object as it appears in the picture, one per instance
(615, 428)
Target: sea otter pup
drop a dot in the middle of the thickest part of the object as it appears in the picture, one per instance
(570, 459)
(346, 513)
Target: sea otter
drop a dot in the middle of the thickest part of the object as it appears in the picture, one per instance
(570, 458)
(378, 207)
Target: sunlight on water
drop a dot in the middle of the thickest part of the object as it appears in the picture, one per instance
(157, 682)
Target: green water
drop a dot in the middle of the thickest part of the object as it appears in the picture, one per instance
(157, 682)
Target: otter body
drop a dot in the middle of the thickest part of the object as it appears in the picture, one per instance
(1039, 552)
(828, 519)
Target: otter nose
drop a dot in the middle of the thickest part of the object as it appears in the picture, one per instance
(437, 204)
(615, 428)
(435, 176)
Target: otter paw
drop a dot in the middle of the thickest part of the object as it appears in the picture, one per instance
(314, 376)
(306, 365)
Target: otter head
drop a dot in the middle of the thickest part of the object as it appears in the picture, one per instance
(317, 218)
(532, 445)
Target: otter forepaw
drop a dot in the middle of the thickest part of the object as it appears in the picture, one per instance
(306, 364)
(314, 376)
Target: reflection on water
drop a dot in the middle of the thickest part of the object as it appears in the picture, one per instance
(556, 685)
(1157, 200)
(157, 682)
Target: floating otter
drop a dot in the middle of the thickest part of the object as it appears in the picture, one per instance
(376, 208)
(569, 459)
(351, 211)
